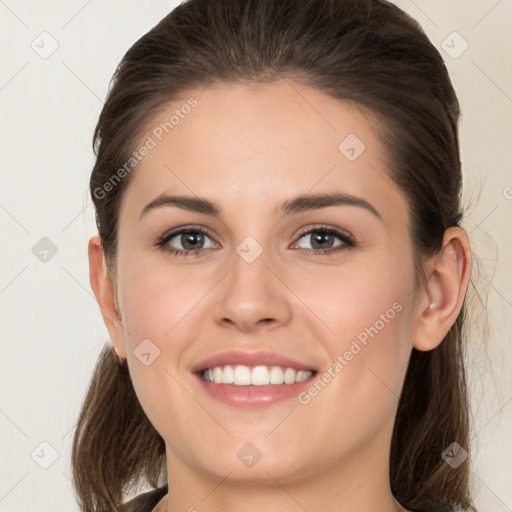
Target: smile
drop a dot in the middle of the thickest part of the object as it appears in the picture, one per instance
(241, 375)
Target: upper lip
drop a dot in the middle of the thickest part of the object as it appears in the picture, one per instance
(259, 358)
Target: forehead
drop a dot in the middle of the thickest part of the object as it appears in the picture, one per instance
(259, 144)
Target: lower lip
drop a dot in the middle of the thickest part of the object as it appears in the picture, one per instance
(253, 396)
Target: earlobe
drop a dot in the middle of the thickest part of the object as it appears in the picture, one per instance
(443, 295)
(103, 288)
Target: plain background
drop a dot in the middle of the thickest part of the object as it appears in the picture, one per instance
(52, 327)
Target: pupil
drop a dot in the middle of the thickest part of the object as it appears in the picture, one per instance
(319, 238)
(191, 240)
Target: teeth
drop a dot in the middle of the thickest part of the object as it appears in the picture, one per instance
(289, 376)
(242, 375)
(227, 375)
(302, 375)
(276, 375)
(260, 376)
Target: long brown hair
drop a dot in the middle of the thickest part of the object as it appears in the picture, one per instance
(369, 53)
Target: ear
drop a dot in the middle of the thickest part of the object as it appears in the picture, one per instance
(104, 291)
(442, 296)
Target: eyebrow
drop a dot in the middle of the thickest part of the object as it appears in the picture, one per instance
(297, 204)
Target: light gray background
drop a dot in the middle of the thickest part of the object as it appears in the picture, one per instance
(52, 328)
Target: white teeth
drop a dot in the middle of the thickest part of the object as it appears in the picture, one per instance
(217, 374)
(276, 375)
(289, 376)
(228, 375)
(260, 376)
(242, 375)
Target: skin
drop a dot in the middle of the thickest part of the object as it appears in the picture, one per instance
(250, 148)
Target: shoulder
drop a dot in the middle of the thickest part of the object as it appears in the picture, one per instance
(146, 501)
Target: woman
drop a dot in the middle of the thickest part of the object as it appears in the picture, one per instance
(280, 266)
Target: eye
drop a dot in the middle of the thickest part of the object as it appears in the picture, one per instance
(322, 240)
(189, 239)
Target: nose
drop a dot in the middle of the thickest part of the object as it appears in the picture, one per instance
(253, 296)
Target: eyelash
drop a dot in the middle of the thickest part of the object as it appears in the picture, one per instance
(347, 241)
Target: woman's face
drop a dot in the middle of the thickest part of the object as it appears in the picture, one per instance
(262, 275)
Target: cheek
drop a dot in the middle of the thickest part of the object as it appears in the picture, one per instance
(155, 300)
(159, 307)
(359, 298)
(364, 317)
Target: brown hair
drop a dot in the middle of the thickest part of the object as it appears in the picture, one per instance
(366, 52)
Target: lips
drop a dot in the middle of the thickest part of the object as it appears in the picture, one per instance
(252, 379)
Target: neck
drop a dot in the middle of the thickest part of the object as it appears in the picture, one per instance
(358, 482)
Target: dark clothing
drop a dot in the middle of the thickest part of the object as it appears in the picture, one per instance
(147, 501)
